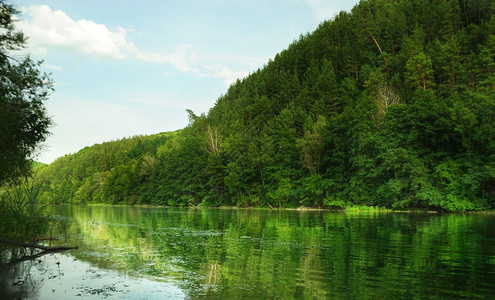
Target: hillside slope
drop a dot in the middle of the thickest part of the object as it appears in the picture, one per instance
(391, 104)
(110, 172)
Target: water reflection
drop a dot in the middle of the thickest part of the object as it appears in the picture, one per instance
(63, 276)
(229, 253)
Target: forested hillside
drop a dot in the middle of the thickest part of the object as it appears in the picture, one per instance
(391, 104)
(111, 172)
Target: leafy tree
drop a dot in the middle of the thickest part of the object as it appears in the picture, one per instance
(487, 58)
(24, 121)
(311, 145)
(419, 72)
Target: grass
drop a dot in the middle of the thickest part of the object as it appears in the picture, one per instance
(22, 218)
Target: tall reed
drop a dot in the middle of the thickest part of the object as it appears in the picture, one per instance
(22, 217)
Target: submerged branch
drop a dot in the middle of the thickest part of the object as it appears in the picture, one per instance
(38, 246)
(27, 257)
(46, 250)
(49, 248)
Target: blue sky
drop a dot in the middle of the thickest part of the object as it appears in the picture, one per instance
(124, 68)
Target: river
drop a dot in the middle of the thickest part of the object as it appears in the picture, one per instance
(173, 253)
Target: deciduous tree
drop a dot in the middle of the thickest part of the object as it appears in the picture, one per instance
(24, 121)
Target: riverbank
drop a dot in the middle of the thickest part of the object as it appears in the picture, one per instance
(351, 208)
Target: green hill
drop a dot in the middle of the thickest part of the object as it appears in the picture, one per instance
(391, 104)
(111, 172)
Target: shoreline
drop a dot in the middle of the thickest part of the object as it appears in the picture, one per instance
(350, 209)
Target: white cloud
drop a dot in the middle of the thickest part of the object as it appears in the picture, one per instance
(49, 28)
(226, 74)
(55, 29)
(183, 58)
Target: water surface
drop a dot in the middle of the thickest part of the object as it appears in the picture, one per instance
(156, 253)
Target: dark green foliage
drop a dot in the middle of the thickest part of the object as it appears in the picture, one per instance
(391, 104)
(23, 89)
(122, 171)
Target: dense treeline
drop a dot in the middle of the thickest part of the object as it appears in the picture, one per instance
(391, 104)
(112, 172)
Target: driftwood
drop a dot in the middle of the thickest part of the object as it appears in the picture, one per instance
(46, 250)
(38, 246)
(26, 258)
(46, 239)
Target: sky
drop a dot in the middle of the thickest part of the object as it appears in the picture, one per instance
(123, 68)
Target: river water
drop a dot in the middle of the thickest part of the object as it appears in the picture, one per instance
(171, 253)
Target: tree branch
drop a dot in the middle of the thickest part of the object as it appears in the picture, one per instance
(48, 248)
(376, 42)
(9, 57)
(26, 258)
(38, 246)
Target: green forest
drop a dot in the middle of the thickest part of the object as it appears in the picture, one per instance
(390, 105)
